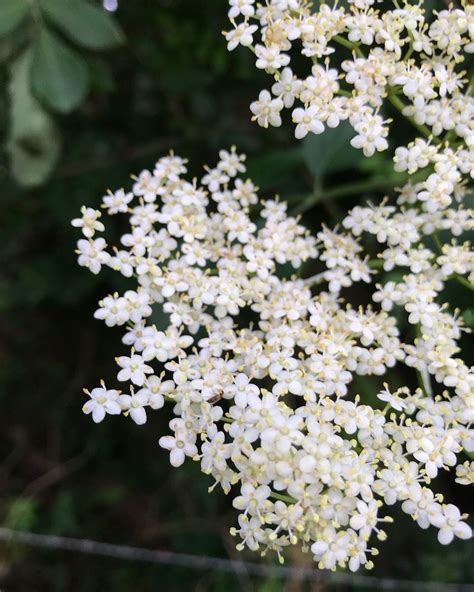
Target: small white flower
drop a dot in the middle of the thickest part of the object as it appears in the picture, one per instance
(392, 399)
(371, 135)
(307, 120)
(92, 254)
(133, 368)
(102, 401)
(117, 202)
(450, 524)
(240, 390)
(135, 405)
(267, 110)
(89, 222)
(241, 7)
(270, 57)
(179, 447)
(287, 88)
(241, 35)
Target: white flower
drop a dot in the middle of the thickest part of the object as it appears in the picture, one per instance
(214, 179)
(366, 517)
(240, 390)
(450, 524)
(122, 261)
(156, 390)
(157, 345)
(113, 310)
(251, 499)
(92, 254)
(270, 57)
(242, 34)
(135, 405)
(307, 120)
(89, 222)
(267, 110)
(392, 399)
(287, 88)
(241, 7)
(139, 241)
(231, 162)
(179, 447)
(117, 202)
(371, 135)
(133, 368)
(102, 401)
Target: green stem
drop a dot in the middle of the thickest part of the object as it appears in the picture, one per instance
(463, 281)
(345, 42)
(437, 242)
(410, 49)
(344, 93)
(376, 263)
(283, 498)
(348, 189)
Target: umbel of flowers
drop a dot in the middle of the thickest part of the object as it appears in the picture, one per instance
(403, 56)
(257, 362)
(259, 366)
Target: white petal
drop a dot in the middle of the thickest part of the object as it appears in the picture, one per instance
(357, 522)
(113, 408)
(463, 530)
(98, 414)
(319, 547)
(445, 536)
(177, 457)
(138, 415)
(307, 464)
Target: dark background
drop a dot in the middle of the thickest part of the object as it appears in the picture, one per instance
(171, 85)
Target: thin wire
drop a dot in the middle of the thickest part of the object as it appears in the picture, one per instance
(129, 553)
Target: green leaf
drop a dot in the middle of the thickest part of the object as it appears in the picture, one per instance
(86, 24)
(12, 12)
(59, 75)
(331, 151)
(33, 141)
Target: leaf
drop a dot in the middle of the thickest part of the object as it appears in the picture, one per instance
(33, 142)
(12, 12)
(331, 151)
(59, 75)
(86, 24)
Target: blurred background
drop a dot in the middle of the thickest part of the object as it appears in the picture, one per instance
(89, 97)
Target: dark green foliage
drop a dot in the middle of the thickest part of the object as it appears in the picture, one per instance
(47, 74)
(59, 74)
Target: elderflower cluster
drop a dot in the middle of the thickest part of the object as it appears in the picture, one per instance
(402, 55)
(259, 363)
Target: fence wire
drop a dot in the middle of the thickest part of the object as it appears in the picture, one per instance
(201, 562)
